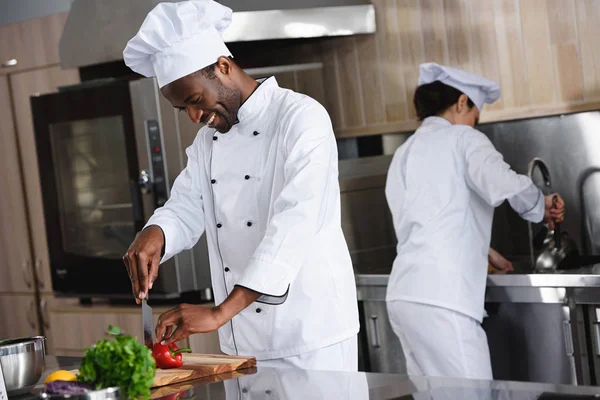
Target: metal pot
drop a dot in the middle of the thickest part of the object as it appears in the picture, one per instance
(556, 247)
(560, 252)
(22, 361)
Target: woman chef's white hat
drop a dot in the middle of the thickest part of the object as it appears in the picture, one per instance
(177, 39)
(480, 90)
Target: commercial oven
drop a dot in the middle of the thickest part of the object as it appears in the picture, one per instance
(109, 151)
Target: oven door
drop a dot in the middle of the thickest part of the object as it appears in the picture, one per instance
(89, 177)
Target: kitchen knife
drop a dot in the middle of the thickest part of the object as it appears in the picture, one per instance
(147, 323)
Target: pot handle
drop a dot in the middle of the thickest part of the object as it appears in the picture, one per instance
(557, 234)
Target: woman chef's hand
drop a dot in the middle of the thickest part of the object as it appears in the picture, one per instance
(142, 260)
(554, 209)
(185, 320)
(499, 263)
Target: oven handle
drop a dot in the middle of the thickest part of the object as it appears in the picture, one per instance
(136, 200)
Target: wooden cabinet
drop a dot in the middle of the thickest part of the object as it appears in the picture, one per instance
(23, 86)
(72, 328)
(16, 274)
(32, 43)
(19, 316)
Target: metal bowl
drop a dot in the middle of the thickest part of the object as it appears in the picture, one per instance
(22, 362)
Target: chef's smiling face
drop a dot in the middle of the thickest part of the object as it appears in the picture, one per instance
(208, 96)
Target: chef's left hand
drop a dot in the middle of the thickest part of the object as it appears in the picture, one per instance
(184, 320)
(500, 264)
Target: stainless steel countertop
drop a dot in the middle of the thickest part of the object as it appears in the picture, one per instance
(557, 280)
(266, 383)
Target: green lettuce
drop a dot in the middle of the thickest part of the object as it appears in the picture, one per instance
(119, 360)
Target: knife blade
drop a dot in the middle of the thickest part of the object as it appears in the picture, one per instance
(147, 323)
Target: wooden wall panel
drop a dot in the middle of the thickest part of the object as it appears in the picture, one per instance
(332, 80)
(538, 53)
(587, 21)
(370, 79)
(483, 38)
(390, 61)
(411, 46)
(350, 84)
(458, 31)
(565, 47)
(510, 54)
(433, 26)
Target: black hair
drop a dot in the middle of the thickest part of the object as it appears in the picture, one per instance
(434, 98)
(208, 71)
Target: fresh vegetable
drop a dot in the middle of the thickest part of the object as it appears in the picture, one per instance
(120, 360)
(61, 375)
(67, 387)
(168, 356)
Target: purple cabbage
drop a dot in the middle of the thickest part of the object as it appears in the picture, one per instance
(67, 387)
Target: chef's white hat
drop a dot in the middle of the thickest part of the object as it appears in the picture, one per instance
(480, 90)
(177, 39)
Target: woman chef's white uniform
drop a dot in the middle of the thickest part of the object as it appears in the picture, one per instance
(442, 187)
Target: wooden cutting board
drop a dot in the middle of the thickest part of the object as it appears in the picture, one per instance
(197, 366)
(182, 387)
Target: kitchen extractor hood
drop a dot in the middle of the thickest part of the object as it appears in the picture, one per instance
(97, 31)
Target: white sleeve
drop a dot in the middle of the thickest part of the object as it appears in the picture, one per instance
(300, 210)
(493, 179)
(182, 217)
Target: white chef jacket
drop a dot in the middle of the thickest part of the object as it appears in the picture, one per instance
(268, 197)
(442, 187)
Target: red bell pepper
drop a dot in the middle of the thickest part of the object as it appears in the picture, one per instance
(168, 356)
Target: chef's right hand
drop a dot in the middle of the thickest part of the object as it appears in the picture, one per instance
(554, 209)
(142, 260)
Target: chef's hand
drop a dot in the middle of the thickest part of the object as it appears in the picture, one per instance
(499, 263)
(554, 209)
(142, 260)
(184, 320)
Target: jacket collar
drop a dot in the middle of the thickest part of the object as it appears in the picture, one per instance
(257, 100)
(435, 120)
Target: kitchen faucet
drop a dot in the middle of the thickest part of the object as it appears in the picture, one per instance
(541, 165)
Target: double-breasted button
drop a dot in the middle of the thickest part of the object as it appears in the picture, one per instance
(258, 310)
(219, 225)
(256, 133)
(247, 177)
(215, 138)
(213, 181)
(226, 269)
(249, 223)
